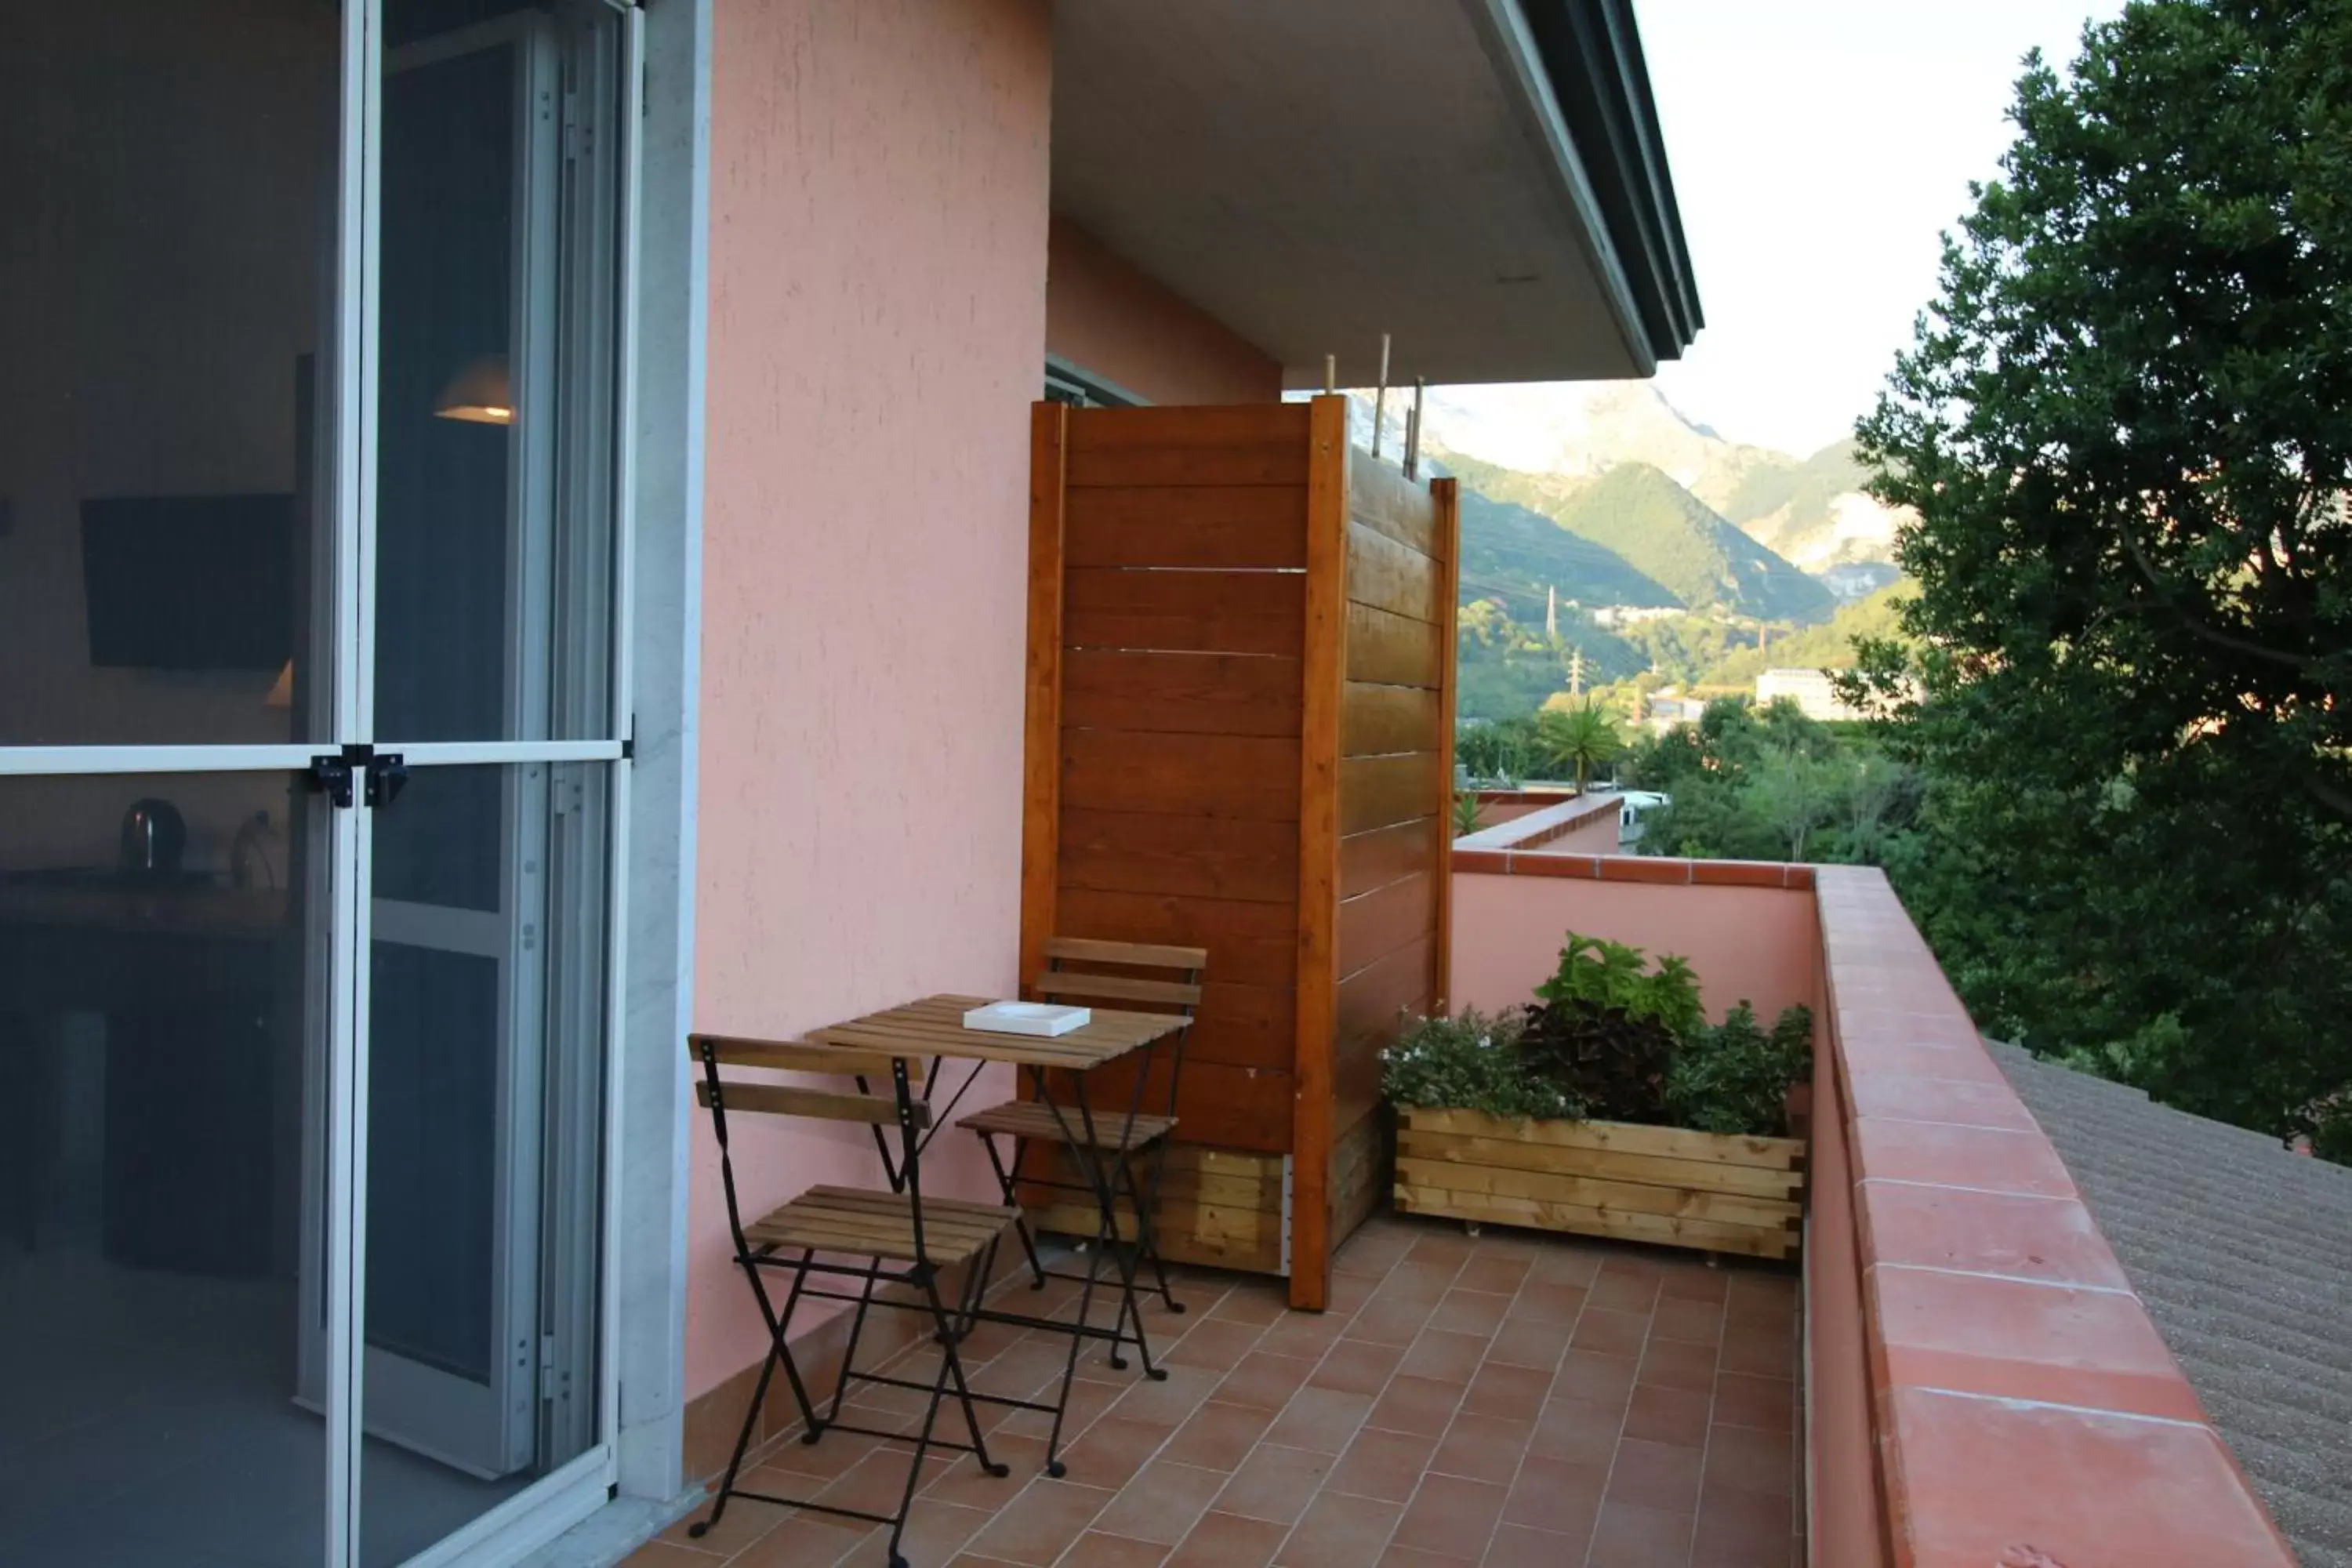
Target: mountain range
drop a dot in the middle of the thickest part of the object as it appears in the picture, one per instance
(1606, 493)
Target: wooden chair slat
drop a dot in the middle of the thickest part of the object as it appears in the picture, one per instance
(789, 1099)
(1150, 956)
(798, 1056)
(1070, 983)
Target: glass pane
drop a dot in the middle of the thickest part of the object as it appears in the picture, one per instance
(168, 175)
(162, 1029)
(494, 516)
(486, 975)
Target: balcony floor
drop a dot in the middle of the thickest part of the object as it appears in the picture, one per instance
(1468, 1402)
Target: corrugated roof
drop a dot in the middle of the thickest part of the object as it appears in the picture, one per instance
(2242, 1253)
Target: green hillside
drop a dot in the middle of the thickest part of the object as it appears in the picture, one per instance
(1510, 554)
(1828, 645)
(1508, 667)
(1663, 532)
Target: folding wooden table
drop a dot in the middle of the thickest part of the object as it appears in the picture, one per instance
(933, 1027)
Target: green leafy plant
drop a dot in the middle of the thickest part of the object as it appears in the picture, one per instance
(1735, 1078)
(1470, 1062)
(1469, 812)
(1611, 1026)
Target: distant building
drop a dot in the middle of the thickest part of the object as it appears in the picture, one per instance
(1807, 688)
(1669, 707)
(1633, 615)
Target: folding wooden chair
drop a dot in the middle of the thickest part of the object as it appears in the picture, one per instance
(1137, 976)
(903, 1239)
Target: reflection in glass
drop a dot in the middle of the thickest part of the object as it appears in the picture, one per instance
(167, 174)
(486, 978)
(162, 1050)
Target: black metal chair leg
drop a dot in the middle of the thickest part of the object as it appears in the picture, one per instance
(1006, 1183)
(742, 1443)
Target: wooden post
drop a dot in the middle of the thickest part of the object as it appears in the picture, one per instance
(1446, 501)
(1324, 661)
(1041, 793)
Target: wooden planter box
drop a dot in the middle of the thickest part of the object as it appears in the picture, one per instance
(1664, 1184)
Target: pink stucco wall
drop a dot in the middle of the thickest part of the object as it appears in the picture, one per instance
(1756, 944)
(878, 253)
(1106, 316)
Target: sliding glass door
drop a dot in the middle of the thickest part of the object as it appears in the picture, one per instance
(312, 585)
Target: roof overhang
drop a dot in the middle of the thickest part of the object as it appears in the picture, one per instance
(1482, 179)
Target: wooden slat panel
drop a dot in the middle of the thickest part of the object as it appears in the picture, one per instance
(1379, 792)
(1663, 1229)
(1376, 1004)
(1381, 721)
(1594, 1191)
(1672, 1142)
(1188, 612)
(1041, 748)
(1208, 694)
(1374, 860)
(1446, 497)
(1209, 857)
(1252, 943)
(1243, 1026)
(1378, 923)
(1186, 425)
(824, 1105)
(1356, 1181)
(1129, 467)
(1697, 1176)
(1202, 775)
(1069, 982)
(1231, 527)
(1393, 649)
(1228, 1106)
(1390, 576)
(1160, 955)
(1321, 814)
(1381, 497)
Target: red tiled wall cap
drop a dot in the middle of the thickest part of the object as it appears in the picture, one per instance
(2026, 1409)
(1562, 817)
(1492, 856)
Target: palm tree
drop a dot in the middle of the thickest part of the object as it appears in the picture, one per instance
(1579, 740)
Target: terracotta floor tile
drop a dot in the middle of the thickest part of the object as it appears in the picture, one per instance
(1265, 1380)
(973, 1560)
(1581, 1429)
(1382, 1465)
(1451, 1514)
(1214, 1345)
(1751, 1459)
(1039, 1524)
(1608, 1333)
(1305, 1333)
(965, 1482)
(1625, 1288)
(1501, 1390)
(1169, 1401)
(1340, 1531)
(1447, 1356)
(1251, 1301)
(1162, 1503)
(662, 1554)
(1217, 1435)
(1556, 1495)
(1496, 1272)
(1701, 1322)
(1678, 1364)
(1483, 1447)
(1274, 1484)
(874, 1484)
(936, 1531)
(1662, 1415)
(1388, 1320)
(1359, 1366)
(1566, 1263)
(807, 1538)
(1629, 1536)
(1114, 1448)
(1222, 1539)
(829, 1456)
(1097, 1550)
(1447, 1245)
(1524, 1342)
(1323, 1419)
(1422, 1406)
(1761, 1353)
(1418, 1279)
(1656, 1475)
(1466, 1311)
(1765, 1401)
(1516, 1546)
(1548, 1301)
(744, 1522)
(1588, 1374)
(1398, 1556)
(1726, 1515)
(1694, 1282)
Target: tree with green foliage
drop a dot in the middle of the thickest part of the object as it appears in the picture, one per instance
(2125, 430)
(1579, 740)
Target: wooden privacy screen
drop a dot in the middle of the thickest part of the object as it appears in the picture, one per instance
(1240, 737)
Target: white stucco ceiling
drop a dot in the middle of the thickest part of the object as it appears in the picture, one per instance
(1316, 172)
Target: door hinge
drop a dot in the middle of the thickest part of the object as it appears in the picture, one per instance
(381, 775)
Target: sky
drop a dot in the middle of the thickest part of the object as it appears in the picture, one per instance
(1819, 148)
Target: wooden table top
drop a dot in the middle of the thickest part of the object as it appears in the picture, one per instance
(934, 1028)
